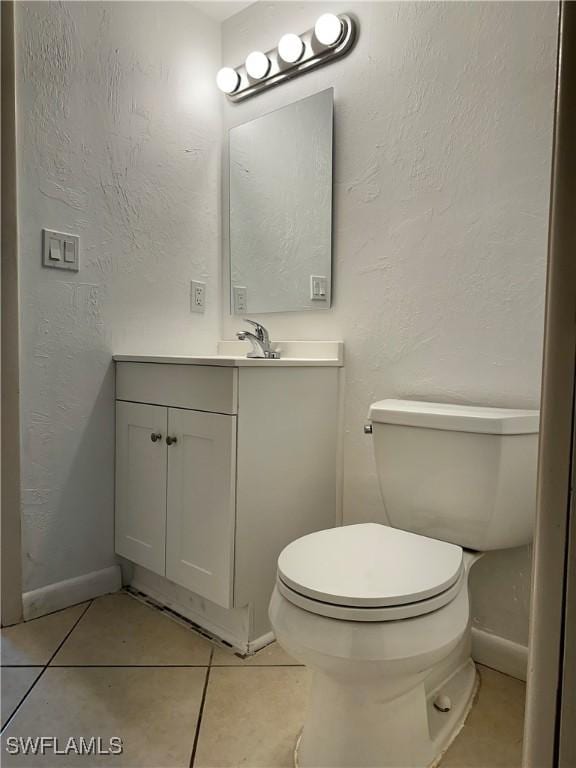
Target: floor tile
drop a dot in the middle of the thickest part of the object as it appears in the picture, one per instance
(15, 684)
(252, 717)
(270, 656)
(119, 630)
(492, 735)
(33, 642)
(153, 710)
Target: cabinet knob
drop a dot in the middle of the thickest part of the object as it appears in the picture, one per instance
(367, 429)
(171, 440)
(155, 436)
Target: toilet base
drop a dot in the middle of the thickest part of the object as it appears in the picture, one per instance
(405, 732)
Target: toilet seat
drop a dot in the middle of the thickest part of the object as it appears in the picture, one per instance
(370, 572)
(392, 613)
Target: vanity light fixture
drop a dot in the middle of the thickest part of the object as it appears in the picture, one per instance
(328, 29)
(257, 65)
(290, 48)
(332, 36)
(227, 80)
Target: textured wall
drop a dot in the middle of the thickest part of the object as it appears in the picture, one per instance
(119, 142)
(443, 127)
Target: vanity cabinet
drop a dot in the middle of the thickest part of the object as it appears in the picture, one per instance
(175, 496)
(218, 467)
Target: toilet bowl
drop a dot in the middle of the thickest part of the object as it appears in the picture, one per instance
(380, 614)
(379, 655)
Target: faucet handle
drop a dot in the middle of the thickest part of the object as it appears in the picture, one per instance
(261, 332)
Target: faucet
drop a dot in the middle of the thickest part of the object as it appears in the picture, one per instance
(260, 341)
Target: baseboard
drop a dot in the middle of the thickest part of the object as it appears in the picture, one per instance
(230, 625)
(62, 594)
(261, 642)
(500, 654)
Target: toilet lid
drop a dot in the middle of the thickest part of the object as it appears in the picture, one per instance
(369, 565)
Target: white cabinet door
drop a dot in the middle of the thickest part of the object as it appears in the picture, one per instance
(141, 453)
(201, 503)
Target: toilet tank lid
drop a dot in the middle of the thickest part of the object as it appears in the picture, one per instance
(457, 418)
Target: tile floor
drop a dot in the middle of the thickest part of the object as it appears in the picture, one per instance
(116, 667)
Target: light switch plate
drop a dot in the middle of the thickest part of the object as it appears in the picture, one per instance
(197, 296)
(318, 288)
(60, 250)
(240, 294)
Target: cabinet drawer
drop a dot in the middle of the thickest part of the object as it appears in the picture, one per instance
(198, 387)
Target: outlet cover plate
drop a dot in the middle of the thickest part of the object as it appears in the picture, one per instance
(197, 296)
(240, 300)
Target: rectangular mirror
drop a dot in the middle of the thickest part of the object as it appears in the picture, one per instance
(281, 209)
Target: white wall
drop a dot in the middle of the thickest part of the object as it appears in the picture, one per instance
(119, 142)
(443, 129)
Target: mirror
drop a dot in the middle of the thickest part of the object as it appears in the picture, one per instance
(281, 209)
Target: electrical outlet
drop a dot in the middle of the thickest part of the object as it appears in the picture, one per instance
(240, 299)
(197, 296)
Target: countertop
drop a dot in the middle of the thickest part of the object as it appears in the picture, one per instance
(233, 354)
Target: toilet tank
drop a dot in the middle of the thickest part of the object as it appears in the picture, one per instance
(459, 473)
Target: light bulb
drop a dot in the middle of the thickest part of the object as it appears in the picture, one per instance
(257, 65)
(290, 48)
(227, 80)
(328, 29)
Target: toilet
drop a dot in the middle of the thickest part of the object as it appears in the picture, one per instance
(379, 612)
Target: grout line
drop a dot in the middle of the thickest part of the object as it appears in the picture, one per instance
(200, 714)
(129, 666)
(29, 691)
(163, 666)
(17, 707)
(70, 632)
(257, 666)
(44, 615)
